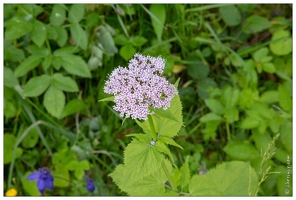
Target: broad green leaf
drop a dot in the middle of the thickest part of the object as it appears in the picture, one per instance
(72, 107)
(14, 54)
(75, 65)
(63, 174)
(72, 165)
(158, 17)
(185, 174)
(141, 137)
(64, 83)
(176, 175)
(138, 40)
(247, 97)
(57, 62)
(38, 51)
(162, 148)
(127, 52)
(37, 85)
(227, 179)
(198, 70)
(27, 65)
(249, 123)
(230, 15)
(255, 24)
(121, 39)
(260, 54)
(241, 151)
(170, 141)
(68, 50)
(9, 141)
(92, 19)
(38, 33)
(47, 62)
(269, 67)
(30, 186)
(9, 79)
(54, 101)
(215, 106)
(269, 97)
(204, 87)
(76, 13)
(229, 96)
(231, 115)
(17, 27)
(51, 32)
(281, 155)
(140, 160)
(286, 135)
(261, 140)
(285, 97)
(57, 15)
(31, 139)
(62, 36)
(106, 39)
(281, 43)
(210, 117)
(10, 109)
(79, 35)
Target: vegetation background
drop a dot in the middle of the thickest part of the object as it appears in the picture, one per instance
(235, 69)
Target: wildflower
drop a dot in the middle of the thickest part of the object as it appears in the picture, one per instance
(11, 192)
(140, 87)
(90, 185)
(44, 179)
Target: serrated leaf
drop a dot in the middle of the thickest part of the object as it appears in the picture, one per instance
(215, 106)
(228, 179)
(54, 101)
(64, 83)
(168, 140)
(79, 35)
(158, 17)
(38, 33)
(230, 15)
(27, 65)
(76, 13)
(241, 151)
(9, 79)
(185, 174)
(37, 85)
(140, 160)
(161, 147)
(75, 65)
(57, 15)
(73, 106)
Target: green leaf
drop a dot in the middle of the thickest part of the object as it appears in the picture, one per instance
(63, 174)
(72, 107)
(285, 97)
(9, 79)
(230, 15)
(37, 85)
(30, 186)
(79, 35)
(107, 99)
(76, 13)
(10, 109)
(47, 62)
(64, 83)
(38, 33)
(269, 97)
(106, 39)
(162, 148)
(14, 54)
(62, 36)
(281, 43)
(261, 140)
(17, 27)
(127, 52)
(138, 40)
(236, 177)
(231, 115)
(75, 65)
(158, 17)
(185, 174)
(247, 97)
(255, 24)
(269, 67)
(286, 135)
(260, 54)
(229, 96)
(38, 51)
(31, 139)
(249, 123)
(54, 101)
(57, 15)
(28, 64)
(204, 87)
(198, 70)
(9, 141)
(215, 106)
(210, 117)
(168, 140)
(140, 160)
(241, 151)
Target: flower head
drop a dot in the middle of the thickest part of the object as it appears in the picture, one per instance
(90, 185)
(140, 87)
(11, 192)
(44, 179)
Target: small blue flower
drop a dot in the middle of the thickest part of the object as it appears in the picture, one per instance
(44, 179)
(90, 185)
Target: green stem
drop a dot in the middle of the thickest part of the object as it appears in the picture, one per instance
(228, 131)
(174, 187)
(152, 127)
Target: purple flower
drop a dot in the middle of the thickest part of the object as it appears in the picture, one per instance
(44, 179)
(140, 88)
(90, 185)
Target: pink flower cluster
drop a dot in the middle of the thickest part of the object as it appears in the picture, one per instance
(140, 87)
